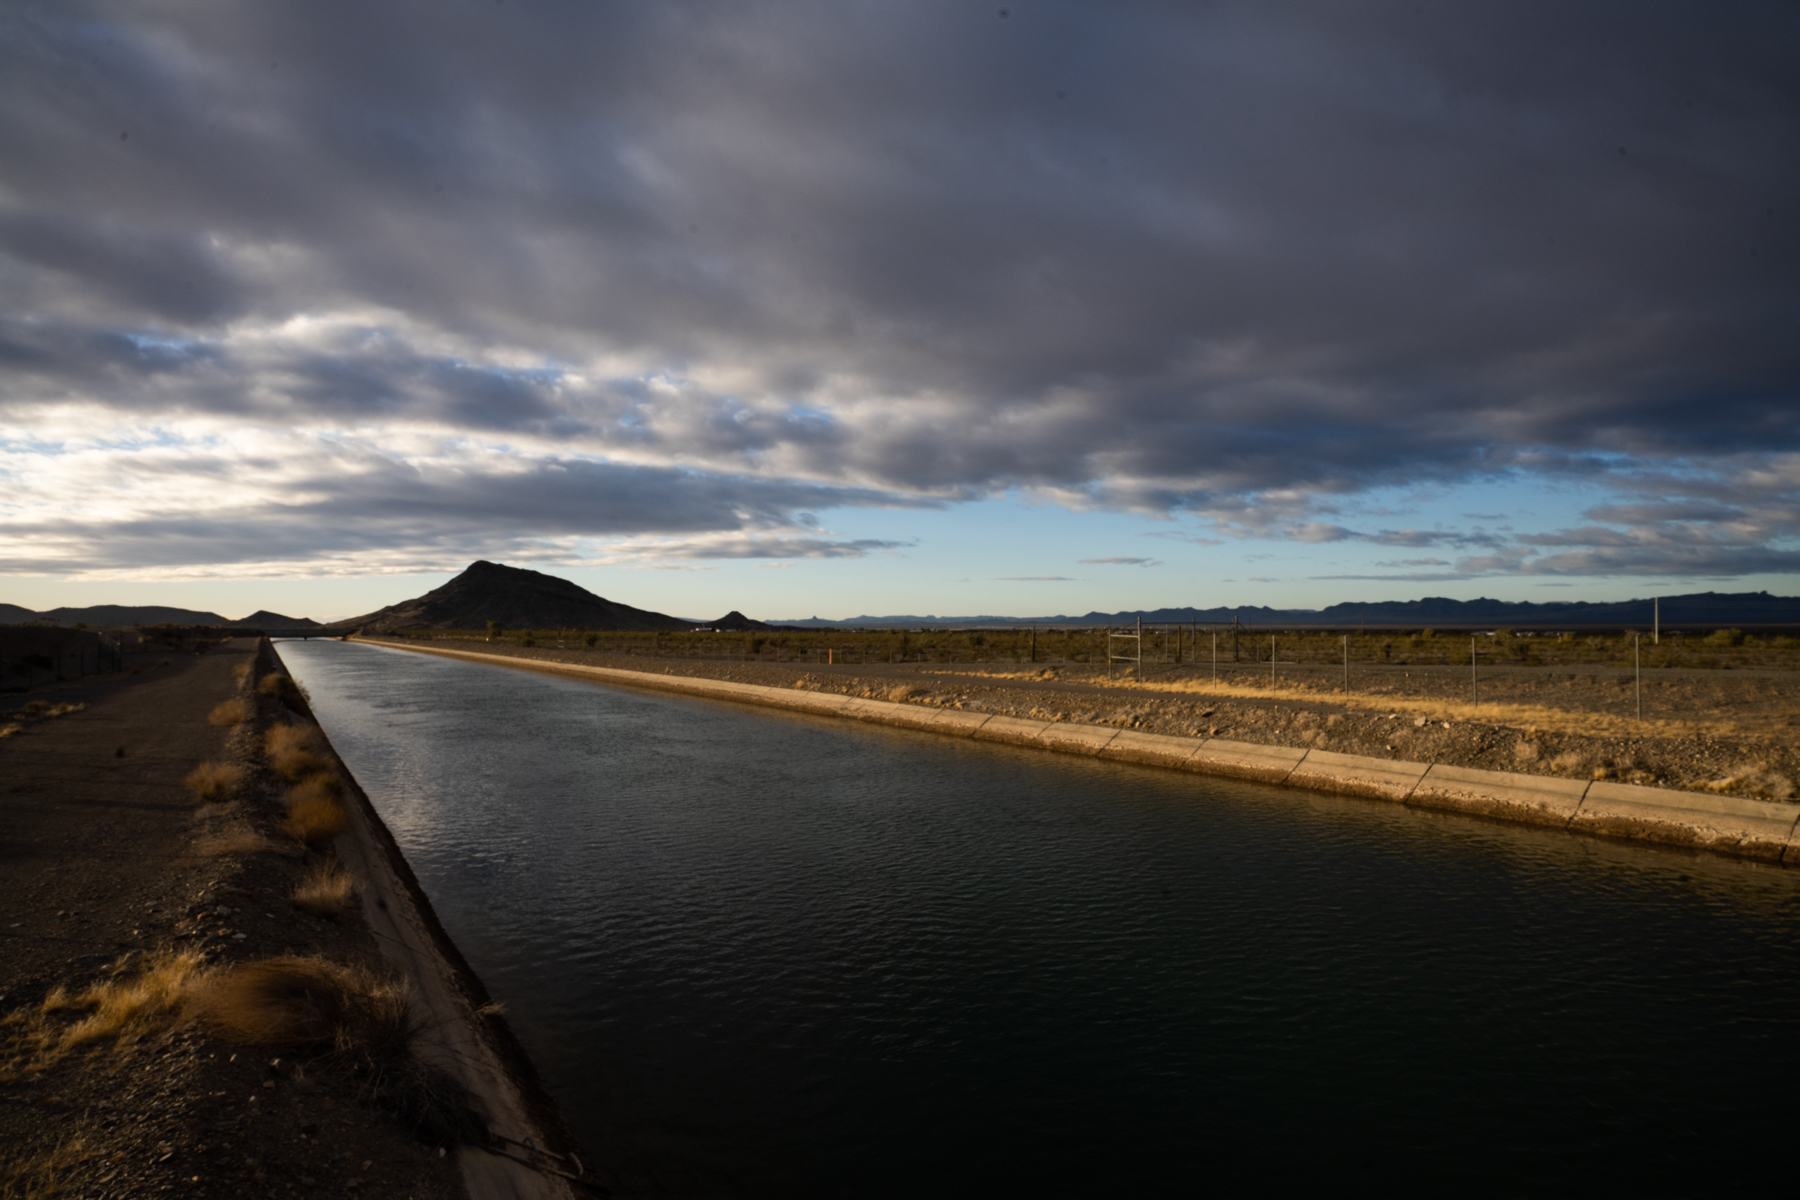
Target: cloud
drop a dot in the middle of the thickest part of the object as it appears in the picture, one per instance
(1034, 579)
(1126, 562)
(618, 271)
(200, 500)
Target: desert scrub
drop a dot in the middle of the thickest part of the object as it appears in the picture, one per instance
(121, 1011)
(293, 752)
(314, 817)
(307, 1004)
(214, 783)
(324, 891)
(230, 712)
(54, 1170)
(284, 688)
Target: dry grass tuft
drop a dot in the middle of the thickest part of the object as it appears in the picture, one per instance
(46, 1173)
(11, 728)
(307, 1004)
(123, 1010)
(325, 891)
(231, 712)
(1753, 779)
(294, 753)
(214, 783)
(1572, 761)
(233, 841)
(325, 784)
(313, 818)
(241, 672)
(1586, 724)
(285, 689)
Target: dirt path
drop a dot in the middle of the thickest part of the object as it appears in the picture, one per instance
(102, 868)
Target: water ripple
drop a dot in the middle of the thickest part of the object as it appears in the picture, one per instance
(762, 954)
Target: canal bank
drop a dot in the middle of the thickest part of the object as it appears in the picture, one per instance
(1743, 827)
(203, 998)
(530, 1153)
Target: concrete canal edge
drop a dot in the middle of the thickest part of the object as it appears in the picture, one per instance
(534, 1155)
(1733, 825)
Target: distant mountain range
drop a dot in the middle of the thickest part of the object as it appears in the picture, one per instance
(1701, 608)
(113, 614)
(522, 599)
(107, 615)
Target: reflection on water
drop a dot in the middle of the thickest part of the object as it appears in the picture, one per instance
(763, 954)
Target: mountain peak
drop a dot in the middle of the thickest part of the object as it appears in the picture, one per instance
(515, 598)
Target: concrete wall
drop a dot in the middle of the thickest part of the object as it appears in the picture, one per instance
(1759, 829)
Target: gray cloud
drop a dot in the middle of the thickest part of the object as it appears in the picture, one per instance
(1238, 263)
(442, 514)
(1125, 562)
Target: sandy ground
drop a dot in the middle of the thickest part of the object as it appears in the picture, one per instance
(98, 867)
(1726, 731)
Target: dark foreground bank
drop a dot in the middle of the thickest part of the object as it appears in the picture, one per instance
(155, 865)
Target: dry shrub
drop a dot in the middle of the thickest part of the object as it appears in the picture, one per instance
(325, 784)
(314, 819)
(123, 1010)
(1570, 760)
(231, 712)
(213, 783)
(325, 890)
(11, 728)
(241, 672)
(307, 1004)
(285, 689)
(1754, 779)
(48, 1172)
(233, 841)
(293, 752)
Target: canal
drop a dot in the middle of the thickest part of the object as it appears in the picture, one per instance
(758, 953)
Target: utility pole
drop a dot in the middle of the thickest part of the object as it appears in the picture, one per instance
(1656, 626)
(1637, 671)
(1472, 699)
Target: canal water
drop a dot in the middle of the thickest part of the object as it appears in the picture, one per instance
(763, 954)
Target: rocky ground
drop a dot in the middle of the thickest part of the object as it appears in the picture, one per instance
(1724, 731)
(107, 862)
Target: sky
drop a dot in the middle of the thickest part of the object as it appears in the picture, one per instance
(914, 307)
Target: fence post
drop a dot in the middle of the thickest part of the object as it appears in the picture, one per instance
(1271, 662)
(1346, 666)
(1472, 699)
(1637, 672)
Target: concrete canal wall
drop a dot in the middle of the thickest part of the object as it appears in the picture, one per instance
(1758, 829)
